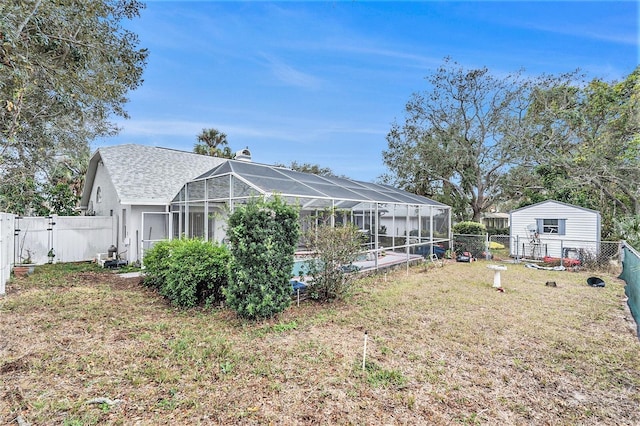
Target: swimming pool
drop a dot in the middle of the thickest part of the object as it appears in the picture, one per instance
(301, 266)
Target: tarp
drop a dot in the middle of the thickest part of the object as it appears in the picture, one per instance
(631, 276)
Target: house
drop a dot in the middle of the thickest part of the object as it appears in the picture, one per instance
(388, 217)
(555, 229)
(158, 193)
(126, 180)
(495, 220)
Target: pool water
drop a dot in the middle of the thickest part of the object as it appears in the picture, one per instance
(301, 267)
(304, 264)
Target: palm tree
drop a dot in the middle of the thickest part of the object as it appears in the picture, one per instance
(213, 143)
(628, 228)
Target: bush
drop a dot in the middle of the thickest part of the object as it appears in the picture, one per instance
(332, 270)
(628, 228)
(498, 231)
(263, 236)
(467, 241)
(188, 272)
(469, 228)
(156, 263)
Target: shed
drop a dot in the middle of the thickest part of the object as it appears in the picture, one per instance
(554, 229)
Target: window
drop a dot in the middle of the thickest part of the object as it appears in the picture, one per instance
(99, 195)
(549, 226)
(552, 226)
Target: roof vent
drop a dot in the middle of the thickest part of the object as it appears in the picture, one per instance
(243, 155)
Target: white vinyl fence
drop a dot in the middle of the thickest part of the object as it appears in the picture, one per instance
(54, 238)
(68, 238)
(6, 248)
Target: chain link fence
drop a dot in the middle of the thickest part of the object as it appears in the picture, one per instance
(500, 246)
(475, 245)
(593, 255)
(604, 255)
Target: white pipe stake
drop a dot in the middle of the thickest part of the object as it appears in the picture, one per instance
(364, 352)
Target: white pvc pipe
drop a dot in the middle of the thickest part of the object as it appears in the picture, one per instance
(364, 352)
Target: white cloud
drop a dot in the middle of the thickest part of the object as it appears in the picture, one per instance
(291, 76)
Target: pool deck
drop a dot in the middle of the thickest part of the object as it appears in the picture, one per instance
(390, 259)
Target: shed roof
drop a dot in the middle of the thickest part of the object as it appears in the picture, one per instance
(555, 202)
(146, 175)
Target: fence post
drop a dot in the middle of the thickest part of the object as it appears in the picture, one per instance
(4, 267)
(7, 241)
(487, 254)
(54, 237)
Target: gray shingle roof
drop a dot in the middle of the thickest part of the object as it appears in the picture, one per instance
(146, 174)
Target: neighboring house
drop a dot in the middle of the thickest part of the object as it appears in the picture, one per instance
(495, 220)
(126, 180)
(553, 228)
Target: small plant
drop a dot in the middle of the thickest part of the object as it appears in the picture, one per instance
(226, 367)
(282, 327)
(332, 272)
(380, 377)
(26, 260)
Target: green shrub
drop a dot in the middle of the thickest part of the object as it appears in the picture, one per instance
(332, 270)
(628, 228)
(498, 231)
(469, 228)
(188, 272)
(156, 263)
(466, 240)
(263, 236)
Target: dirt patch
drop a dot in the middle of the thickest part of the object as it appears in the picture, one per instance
(16, 365)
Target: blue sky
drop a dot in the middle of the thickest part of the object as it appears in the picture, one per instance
(322, 82)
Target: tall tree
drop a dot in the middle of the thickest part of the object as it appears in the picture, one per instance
(65, 70)
(590, 135)
(314, 169)
(459, 137)
(213, 143)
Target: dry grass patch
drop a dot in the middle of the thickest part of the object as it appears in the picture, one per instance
(444, 347)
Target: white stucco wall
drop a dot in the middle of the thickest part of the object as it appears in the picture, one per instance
(108, 204)
(128, 217)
